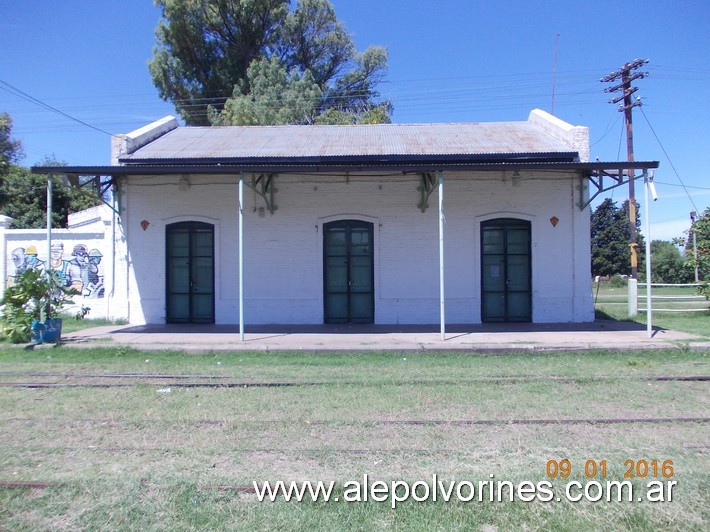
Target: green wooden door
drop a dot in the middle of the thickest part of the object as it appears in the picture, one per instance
(190, 273)
(506, 290)
(348, 272)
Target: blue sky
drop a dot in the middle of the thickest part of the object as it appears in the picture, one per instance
(450, 61)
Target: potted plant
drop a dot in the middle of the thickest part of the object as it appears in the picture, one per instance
(31, 307)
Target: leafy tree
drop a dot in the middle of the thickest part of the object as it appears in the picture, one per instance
(275, 97)
(205, 47)
(610, 230)
(701, 228)
(10, 150)
(23, 196)
(668, 265)
(314, 40)
(378, 114)
(222, 54)
(354, 93)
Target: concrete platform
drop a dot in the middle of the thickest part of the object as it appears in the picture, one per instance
(609, 335)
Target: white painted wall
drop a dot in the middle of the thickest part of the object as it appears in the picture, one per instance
(283, 252)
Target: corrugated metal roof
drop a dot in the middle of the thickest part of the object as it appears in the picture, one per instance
(383, 140)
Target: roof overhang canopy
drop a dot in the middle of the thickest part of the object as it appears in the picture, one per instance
(602, 176)
(326, 166)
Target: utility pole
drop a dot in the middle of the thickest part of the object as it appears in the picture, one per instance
(624, 74)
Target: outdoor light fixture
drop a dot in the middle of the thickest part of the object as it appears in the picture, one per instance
(652, 186)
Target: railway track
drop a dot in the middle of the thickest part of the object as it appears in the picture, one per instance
(123, 380)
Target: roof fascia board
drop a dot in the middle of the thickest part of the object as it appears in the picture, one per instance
(361, 159)
(315, 168)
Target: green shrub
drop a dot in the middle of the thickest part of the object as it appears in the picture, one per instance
(36, 295)
(617, 281)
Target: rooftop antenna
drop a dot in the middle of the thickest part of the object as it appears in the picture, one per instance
(554, 75)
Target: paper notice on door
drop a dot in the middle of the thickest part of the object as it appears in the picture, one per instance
(495, 270)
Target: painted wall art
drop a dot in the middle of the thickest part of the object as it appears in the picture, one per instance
(79, 267)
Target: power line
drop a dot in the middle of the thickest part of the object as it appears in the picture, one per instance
(681, 185)
(410, 90)
(408, 95)
(17, 92)
(669, 159)
(460, 93)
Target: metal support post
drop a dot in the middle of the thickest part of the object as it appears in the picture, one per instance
(49, 221)
(442, 311)
(647, 214)
(241, 257)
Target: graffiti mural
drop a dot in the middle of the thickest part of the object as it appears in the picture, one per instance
(80, 270)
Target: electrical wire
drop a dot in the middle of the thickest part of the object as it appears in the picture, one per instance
(680, 185)
(608, 130)
(17, 92)
(468, 94)
(669, 159)
(412, 96)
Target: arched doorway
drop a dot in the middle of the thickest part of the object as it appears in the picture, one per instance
(348, 272)
(189, 272)
(506, 287)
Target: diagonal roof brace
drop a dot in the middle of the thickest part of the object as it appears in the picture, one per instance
(263, 185)
(429, 184)
(596, 179)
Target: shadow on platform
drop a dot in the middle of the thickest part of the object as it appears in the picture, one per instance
(368, 329)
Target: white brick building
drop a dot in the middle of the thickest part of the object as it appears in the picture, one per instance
(342, 223)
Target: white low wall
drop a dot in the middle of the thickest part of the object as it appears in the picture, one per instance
(81, 254)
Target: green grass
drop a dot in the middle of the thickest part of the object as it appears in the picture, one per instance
(69, 324)
(133, 458)
(611, 303)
